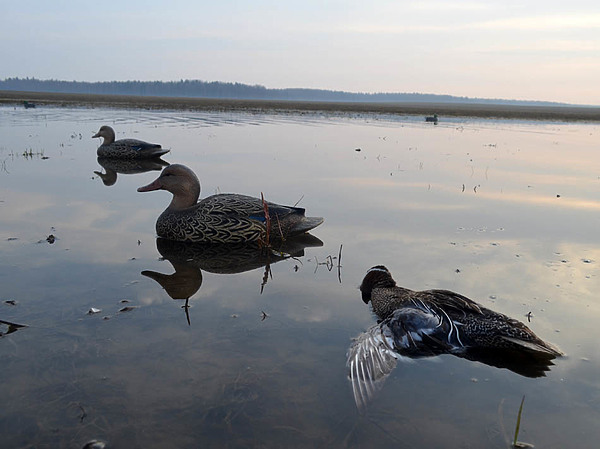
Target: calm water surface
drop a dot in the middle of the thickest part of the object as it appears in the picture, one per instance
(504, 212)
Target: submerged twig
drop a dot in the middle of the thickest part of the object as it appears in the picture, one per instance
(266, 275)
(339, 265)
(186, 307)
(329, 263)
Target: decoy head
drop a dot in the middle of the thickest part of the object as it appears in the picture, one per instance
(107, 132)
(378, 276)
(181, 181)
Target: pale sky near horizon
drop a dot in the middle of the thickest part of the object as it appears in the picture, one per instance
(528, 50)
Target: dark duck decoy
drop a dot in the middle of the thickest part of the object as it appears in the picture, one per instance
(427, 323)
(126, 148)
(222, 218)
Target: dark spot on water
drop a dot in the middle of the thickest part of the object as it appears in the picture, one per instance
(95, 444)
(51, 239)
(127, 308)
(357, 149)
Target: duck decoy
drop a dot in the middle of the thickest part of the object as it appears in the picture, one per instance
(222, 218)
(427, 323)
(125, 148)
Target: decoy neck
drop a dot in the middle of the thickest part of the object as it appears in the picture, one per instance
(377, 277)
(107, 133)
(181, 182)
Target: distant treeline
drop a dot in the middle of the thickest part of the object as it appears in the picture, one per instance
(217, 89)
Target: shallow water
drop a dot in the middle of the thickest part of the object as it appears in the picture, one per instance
(504, 212)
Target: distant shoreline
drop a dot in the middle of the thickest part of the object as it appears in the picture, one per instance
(544, 113)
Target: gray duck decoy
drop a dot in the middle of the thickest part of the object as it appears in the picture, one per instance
(125, 148)
(222, 218)
(427, 323)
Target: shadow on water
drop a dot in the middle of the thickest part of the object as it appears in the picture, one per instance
(190, 259)
(112, 167)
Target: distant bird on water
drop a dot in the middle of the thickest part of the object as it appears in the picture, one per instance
(222, 218)
(126, 148)
(426, 323)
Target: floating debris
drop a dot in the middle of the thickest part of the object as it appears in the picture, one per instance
(95, 444)
(12, 327)
(127, 308)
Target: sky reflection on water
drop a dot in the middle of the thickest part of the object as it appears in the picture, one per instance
(503, 212)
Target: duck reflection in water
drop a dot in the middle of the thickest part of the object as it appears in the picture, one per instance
(190, 259)
(126, 167)
(415, 324)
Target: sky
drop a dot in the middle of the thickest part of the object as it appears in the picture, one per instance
(528, 50)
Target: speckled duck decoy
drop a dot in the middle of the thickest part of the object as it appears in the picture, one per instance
(222, 218)
(426, 323)
(126, 148)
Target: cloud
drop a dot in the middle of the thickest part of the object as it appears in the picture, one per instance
(530, 23)
(551, 22)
